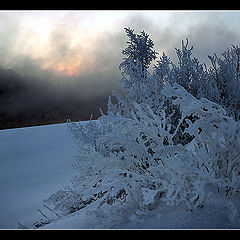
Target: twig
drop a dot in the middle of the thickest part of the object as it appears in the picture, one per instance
(52, 210)
(44, 215)
(21, 226)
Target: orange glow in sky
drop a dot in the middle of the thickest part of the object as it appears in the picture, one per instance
(68, 69)
(65, 68)
(62, 40)
(71, 42)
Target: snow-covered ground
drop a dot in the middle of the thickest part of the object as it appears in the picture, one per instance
(215, 215)
(36, 161)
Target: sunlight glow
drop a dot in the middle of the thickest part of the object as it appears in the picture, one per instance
(67, 68)
(66, 41)
(62, 39)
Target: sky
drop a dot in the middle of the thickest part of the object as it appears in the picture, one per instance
(84, 46)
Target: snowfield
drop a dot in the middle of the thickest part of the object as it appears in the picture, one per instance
(37, 161)
(34, 162)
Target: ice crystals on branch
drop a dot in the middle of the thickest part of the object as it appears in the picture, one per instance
(167, 137)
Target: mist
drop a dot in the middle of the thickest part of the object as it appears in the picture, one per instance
(209, 33)
(73, 71)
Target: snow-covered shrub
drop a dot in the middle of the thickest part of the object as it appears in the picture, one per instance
(163, 140)
(163, 70)
(222, 153)
(212, 156)
(226, 73)
(169, 141)
(121, 158)
(104, 182)
(193, 75)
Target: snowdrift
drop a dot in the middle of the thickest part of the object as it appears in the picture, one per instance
(34, 162)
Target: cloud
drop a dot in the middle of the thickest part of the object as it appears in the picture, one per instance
(86, 62)
(212, 35)
(9, 32)
(77, 62)
(208, 33)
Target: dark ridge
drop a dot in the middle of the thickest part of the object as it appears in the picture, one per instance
(31, 103)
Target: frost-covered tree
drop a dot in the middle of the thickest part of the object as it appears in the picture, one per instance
(163, 70)
(226, 73)
(139, 50)
(136, 81)
(163, 136)
(192, 75)
(121, 158)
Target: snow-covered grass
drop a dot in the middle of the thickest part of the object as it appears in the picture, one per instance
(36, 161)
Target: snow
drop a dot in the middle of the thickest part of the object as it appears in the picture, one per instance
(166, 155)
(215, 215)
(36, 161)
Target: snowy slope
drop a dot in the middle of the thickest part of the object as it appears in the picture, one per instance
(34, 162)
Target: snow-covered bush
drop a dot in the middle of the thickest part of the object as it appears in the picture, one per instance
(170, 142)
(162, 138)
(221, 149)
(192, 75)
(226, 73)
(120, 158)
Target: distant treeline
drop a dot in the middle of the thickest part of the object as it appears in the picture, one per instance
(30, 103)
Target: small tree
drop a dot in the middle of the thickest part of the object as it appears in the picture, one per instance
(190, 73)
(136, 81)
(163, 70)
(226, 73)
(140, 49)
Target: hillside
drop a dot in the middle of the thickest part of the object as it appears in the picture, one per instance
(28, 102)
(36, 161)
